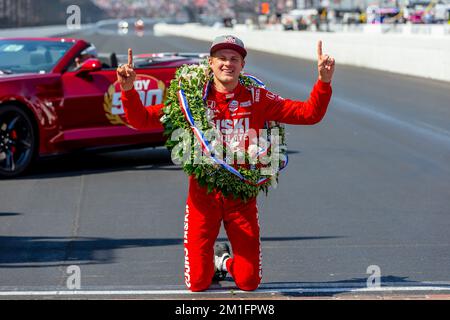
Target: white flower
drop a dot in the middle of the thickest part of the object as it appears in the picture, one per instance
(210, 115)
(252, 150)
(234, 144)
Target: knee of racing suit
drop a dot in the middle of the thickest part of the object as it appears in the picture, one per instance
(249, 276)
(199, 285)
(249, 284)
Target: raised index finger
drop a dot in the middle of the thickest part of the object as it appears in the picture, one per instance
(130, 57)
(319, 48)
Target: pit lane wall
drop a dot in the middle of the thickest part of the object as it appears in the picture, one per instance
(410, 54)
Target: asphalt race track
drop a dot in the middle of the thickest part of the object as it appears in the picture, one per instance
(369, 185)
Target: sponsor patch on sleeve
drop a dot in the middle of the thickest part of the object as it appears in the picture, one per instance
(273, 96)
(257, 94)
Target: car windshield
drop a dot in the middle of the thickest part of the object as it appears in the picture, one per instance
(30, 56)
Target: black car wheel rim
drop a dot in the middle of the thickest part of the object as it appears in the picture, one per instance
(16, 141)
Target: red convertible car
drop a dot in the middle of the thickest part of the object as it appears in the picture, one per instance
(58, 95)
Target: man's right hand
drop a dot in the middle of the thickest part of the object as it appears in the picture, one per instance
(325, 64)
(126, 74)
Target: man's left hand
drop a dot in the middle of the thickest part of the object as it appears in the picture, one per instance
(325, 64)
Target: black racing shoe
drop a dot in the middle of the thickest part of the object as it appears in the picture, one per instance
(221, 254)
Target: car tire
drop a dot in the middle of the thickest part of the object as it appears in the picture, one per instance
(18, 141)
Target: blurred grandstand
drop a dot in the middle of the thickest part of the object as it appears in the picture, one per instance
(290, 14)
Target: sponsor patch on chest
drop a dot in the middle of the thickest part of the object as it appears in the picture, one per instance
(233, 125)
(233, 105)
(246, 104)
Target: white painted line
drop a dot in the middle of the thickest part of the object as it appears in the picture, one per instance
(356, 290)
(227, 291)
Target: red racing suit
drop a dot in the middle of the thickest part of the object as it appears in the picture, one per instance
(236, 111)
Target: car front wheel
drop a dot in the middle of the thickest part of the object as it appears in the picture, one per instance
(17, 141)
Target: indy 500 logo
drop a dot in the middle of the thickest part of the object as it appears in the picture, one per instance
(150, 90)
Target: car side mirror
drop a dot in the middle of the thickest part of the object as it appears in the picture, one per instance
(90, 65)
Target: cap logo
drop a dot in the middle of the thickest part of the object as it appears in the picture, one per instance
(230, 40)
